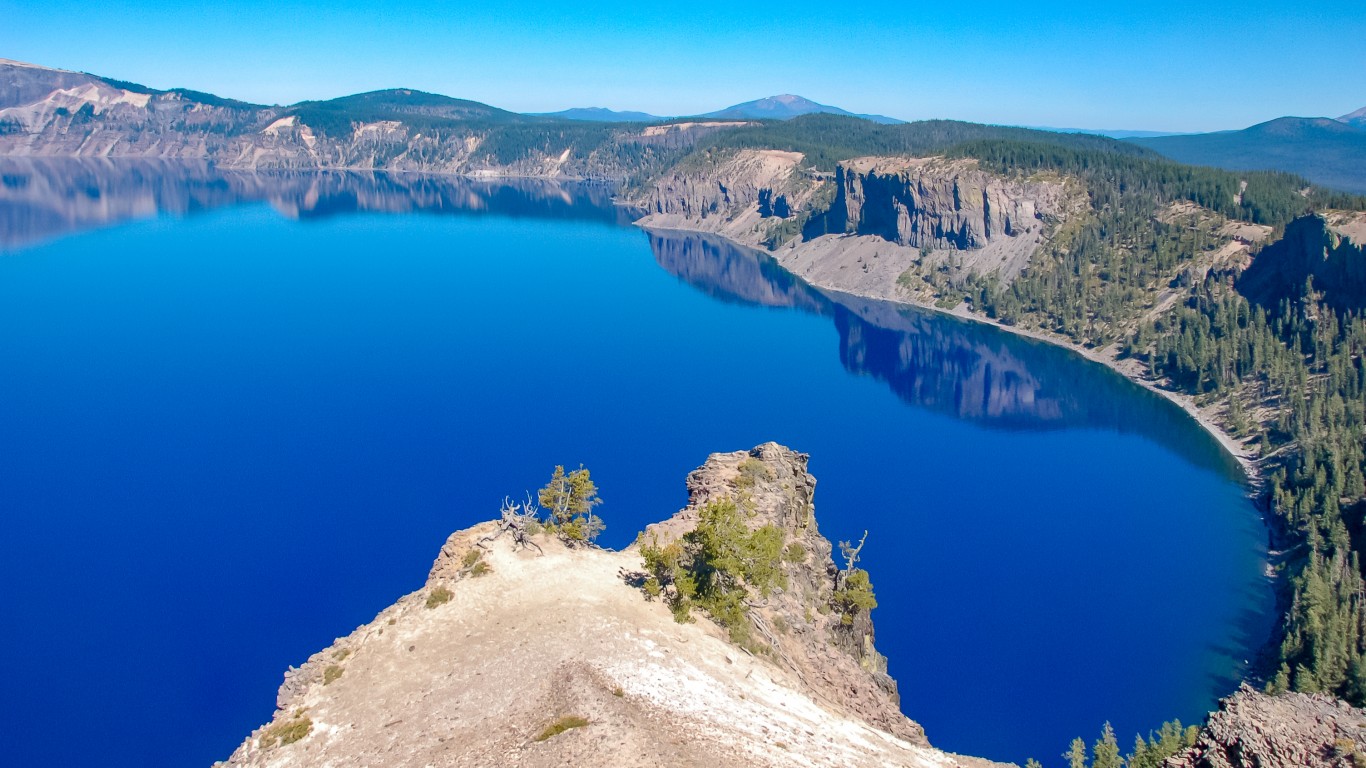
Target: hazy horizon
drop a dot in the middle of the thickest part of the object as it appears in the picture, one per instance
(1157, 67)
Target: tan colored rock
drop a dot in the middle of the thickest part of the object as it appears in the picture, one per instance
(1293, 730)
(478, 677)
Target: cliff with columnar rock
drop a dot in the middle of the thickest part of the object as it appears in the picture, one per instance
(549, 654)
(872, 221)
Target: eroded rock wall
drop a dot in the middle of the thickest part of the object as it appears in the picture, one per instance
(935, 203)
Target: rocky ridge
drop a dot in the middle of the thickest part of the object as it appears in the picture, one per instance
(55, 113)
(502, 644)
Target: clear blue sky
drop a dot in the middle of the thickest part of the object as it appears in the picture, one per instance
(1189, 65)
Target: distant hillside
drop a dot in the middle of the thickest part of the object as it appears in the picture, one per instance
(601, 115)
(1357, 118)
(1327, 152)
(335, 116)
(786, 107)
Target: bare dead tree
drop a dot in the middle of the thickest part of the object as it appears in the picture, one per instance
(516, 520)
(851, 554)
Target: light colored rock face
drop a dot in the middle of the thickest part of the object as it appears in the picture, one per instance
(860, 229)
(1294, 730)
(53, 113)
(722, 194)
(1350, 225)
(938, 204)
(473, 681)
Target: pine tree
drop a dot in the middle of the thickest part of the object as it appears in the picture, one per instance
(1076, 754)
(1106, 750)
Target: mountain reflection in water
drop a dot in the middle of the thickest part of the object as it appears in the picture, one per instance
(44, 198)
(931, 360)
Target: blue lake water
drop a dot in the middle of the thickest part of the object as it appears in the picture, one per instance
(238, 417)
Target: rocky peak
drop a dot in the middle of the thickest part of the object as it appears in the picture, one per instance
(835, 658)
(546, 655)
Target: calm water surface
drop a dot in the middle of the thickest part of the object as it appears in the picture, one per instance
(241, 422)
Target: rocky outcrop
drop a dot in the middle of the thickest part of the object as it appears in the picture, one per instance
(517, 657)
(740, 194)
(836, 661)
(1329, 248)
(934, 203)
(1293, 730)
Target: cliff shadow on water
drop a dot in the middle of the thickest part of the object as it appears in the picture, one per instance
(956, 367)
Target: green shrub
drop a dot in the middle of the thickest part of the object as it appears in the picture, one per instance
(752, 471)
(331, 674)
(474, 564)
(560, 726)
(714, 566)
(794, 552)
(439, 596)
(854, 595)
(286, 731)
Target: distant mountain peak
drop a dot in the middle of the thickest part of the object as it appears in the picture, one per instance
(786, 106)
(1357, 118)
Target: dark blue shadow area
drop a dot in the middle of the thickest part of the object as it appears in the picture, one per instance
(226, 439)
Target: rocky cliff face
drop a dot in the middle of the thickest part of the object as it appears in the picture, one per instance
(517, 657)
(862, 228)
(936, 204)
(1293, 730)
(744, 195)
(1330, 248)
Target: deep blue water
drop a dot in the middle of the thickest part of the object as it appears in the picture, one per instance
(228, 436)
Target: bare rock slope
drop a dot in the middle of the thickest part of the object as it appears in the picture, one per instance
(478, 666)
(1293, 730)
